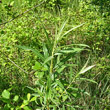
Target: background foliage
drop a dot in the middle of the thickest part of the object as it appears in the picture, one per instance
(25, 80)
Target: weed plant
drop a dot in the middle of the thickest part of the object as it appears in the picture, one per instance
(56, 81)
(54, 90)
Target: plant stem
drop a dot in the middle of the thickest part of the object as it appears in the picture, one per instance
(69, 84)
(53, 50)
(48, 105)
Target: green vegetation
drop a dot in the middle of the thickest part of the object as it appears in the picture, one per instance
(54, 55)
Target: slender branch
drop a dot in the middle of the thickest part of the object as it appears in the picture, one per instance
(17, 66)
(53, 50)
(22, 13)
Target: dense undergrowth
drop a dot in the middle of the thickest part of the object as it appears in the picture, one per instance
(55, 56)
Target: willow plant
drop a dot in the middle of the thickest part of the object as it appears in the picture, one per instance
(51, 92)
(58, 38)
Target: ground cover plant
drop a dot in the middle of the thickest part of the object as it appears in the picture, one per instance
(54, 54)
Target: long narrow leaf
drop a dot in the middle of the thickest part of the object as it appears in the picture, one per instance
(47, 60)
(71, 45)
(73, 29)
(85, 79)
(61, 30)
(48, 39)
(64, 60)
(49, 42)
(71, 50)
(45, 51)
(86, 69)
(35, 51)
(60, 84)
(61, 69)
(85, 64)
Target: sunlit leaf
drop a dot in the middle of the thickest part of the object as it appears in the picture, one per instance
(73, 29)
(6, 94)
(28, 96)
(16, 97)
(37, 66)
(86, 69)
(70, 50)
(33, 98)
(45, 50)
(89, 80)
(58, 36)
(27, 108)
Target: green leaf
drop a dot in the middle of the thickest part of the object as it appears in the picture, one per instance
(45, 68)
(25, 102)
(7, 107)
(60, 84)
(11, 4)
(65, 97)
(82, 45)
(71, 50)
(27, 108)
(58, 36)
(28, 96)
(64, 107)
(74, 94)
(61, 69)
(71, 46)
(37, 66)
(35, 51)
(16, 97)
(87, 93)
(39, 74)
(45, 50)
(33, 98)
(33, 89)
(6, 94)
(48, 39)
(85, 79)
(5, 100)
(86, 63)
(73, 29)
(47, 60)
(86, 69)
(64, 60)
